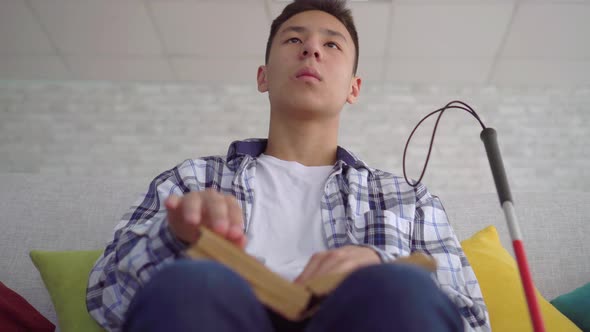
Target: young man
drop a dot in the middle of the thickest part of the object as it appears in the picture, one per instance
(299, 202)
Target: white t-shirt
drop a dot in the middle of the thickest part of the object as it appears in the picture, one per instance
(286, 226)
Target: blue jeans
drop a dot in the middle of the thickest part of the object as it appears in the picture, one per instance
(206, 296)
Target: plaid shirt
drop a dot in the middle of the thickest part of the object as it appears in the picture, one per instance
(364, 206)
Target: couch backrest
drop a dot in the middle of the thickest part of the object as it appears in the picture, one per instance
(555, 228)
(47, 213)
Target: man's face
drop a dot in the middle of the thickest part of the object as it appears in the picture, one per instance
(310, 65)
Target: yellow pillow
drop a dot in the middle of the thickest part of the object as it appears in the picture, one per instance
(500, 284)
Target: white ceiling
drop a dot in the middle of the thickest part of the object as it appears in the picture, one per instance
(502, 42)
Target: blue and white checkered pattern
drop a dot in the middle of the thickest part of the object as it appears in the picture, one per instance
(361, 206)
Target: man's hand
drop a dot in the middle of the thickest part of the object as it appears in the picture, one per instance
(220, 213)
(341, 260)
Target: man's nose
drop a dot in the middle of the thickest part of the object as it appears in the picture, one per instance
(311, 50)
(315, 53)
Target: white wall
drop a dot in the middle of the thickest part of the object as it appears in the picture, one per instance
(138, 130)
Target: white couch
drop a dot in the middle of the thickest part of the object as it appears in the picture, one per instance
(74, 213)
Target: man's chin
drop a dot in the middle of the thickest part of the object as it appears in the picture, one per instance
(302, 102)
(305, 102)
(306, 110)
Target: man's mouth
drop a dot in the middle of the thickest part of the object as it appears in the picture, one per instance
(308, 73)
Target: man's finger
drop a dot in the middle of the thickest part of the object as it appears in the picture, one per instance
(191, 207)
(171, 203)
(236, 220)
(173, 206)
(185, 231)
(216, 211)
(334, 265)
(243, 242)
(312, 266)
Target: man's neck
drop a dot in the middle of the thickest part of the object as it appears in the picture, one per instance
(310, 143)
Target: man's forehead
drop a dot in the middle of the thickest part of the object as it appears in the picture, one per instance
(314, 20)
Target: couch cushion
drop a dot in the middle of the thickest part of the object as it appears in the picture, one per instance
(65, 274)
(501, 287)
(576, 306)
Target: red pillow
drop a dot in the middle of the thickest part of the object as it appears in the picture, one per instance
(16, 314)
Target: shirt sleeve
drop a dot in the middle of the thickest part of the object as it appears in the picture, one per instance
(141, 245)
(433, 235)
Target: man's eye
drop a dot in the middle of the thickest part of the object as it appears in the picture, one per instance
(293, 40)
(332, 45)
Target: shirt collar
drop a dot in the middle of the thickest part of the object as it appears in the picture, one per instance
(254, 147)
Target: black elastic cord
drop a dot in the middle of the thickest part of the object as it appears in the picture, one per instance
(467, 108)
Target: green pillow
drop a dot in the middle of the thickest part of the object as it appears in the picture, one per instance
(65, 274)
(576, 306)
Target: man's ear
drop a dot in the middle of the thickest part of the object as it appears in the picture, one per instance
(261, 79)
(355, 90)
